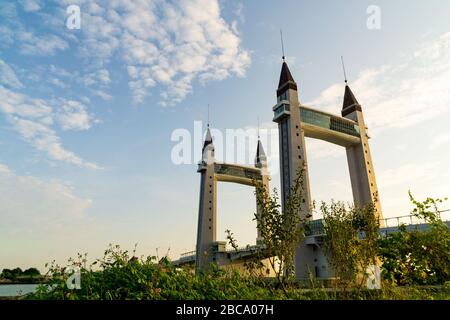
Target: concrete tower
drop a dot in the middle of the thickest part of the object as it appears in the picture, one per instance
(208, 248)
(293, 156)
(261, 163)
(359, 159)
(206, 227)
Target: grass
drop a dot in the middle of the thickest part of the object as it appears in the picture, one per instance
(119, 276)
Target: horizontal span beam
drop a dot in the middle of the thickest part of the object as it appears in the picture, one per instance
(335, 137)
(237, 173)
(326, 114)
(329, 127)
(235, 179)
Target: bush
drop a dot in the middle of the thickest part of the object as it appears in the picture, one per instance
(350, 241)
(121, 276)
(418, 257)
(409, 257)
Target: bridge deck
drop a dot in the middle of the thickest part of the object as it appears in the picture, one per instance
(329, 127)
(314, 234)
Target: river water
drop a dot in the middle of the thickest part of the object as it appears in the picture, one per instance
(12, 290)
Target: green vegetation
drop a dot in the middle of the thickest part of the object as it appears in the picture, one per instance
(281, 232)
(418, 257)
(120, 275)
(350, 241)
(415, 263)
(16, 275)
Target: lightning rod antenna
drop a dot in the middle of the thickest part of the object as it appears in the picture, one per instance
(343, 68)
(258, 127)
(282, 45)
(208, 116)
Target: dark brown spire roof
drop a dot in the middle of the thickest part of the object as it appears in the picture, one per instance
(260, 154)
(349, 98)
(285, 75)
(286, 80)
(208, 139)
(350, 103)
(260, 150)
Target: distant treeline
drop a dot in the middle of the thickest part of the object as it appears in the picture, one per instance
(17, 275)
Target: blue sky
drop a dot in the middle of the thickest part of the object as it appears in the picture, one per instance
(86, 116)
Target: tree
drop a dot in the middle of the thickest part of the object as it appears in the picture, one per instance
(11, 274)
(6, 274)
(281, 231)
(31, 272)
(350, 241)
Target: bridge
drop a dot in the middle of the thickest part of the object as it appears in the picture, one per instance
(323, 125)
(314, 236)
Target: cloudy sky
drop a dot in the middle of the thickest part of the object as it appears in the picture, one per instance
(87, 115)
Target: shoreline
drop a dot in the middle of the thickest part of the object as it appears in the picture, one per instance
(28, 281)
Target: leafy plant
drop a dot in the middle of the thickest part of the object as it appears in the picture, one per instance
(121, 275)
(350, 241)
(281, 232)
(418, 257)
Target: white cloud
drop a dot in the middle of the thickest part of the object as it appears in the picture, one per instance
(6, 36)
(33, 120)
(8, 77)
(31, 204)
(73, 116)
(31, 5)
(407, 173)
(8, 10)
(45, 139)
(317, 149)
(13, 103)
(102, 94)
(4, 169)
(94, 78)
(97, 82)
(239, 11)
(163, 43)
(60, 72)
(32, 44)
(397, 96)
(57, 82)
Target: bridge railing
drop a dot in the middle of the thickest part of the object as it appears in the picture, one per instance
(409, 219)
(246, 248)
(187, 254)
(316, 228)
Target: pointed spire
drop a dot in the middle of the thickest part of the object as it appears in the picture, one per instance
(350, 103)
(285, 75)
(208, 138)
(260, 158)
(208, 148)
(260, 150)
(286, 80)
(349, 98)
